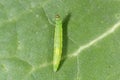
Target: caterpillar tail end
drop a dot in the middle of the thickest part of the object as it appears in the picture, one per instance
(55, 68)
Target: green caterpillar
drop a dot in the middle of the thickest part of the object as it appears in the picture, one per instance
(57, 43)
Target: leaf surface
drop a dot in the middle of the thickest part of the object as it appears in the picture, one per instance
(91, 42)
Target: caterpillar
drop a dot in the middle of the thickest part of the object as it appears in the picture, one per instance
(57, 43)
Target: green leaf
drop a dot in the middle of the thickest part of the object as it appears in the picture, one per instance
(91, 42)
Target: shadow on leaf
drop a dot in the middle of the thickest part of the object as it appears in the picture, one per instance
(65, 39)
